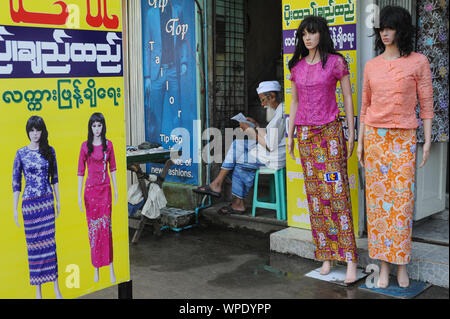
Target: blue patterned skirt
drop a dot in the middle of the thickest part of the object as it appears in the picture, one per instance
(39, 223)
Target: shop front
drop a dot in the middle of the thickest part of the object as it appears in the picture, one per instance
(224, 49)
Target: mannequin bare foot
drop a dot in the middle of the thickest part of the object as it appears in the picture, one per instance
(111, 273)
(38, 292)
(326, 268)
(96, 275)
(350, 276)
(402, 276)
(56, 289)
(383, 280)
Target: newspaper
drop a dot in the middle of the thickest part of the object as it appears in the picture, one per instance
(242, 119)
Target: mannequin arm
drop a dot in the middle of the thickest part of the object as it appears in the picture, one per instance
(58, 203)
(114, 180)
(16, 202)
(348, 107)
(427, 130)
(80, 191)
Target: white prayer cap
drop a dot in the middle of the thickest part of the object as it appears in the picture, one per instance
(268, 86)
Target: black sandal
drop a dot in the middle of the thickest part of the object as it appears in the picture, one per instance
(206, 190)
(228, 210)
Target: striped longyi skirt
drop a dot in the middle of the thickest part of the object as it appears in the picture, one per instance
(39, 223)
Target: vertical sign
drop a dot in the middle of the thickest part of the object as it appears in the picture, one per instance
(341, 17)
(170, 83)
(64, 221)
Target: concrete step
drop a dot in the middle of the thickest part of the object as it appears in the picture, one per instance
(442, 215)
(264, 222)
(430, 262)
(434, 230)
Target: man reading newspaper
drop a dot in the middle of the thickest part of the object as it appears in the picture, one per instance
(244, 157)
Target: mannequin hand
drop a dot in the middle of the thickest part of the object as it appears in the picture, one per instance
(115, 198)
(426, 153)
(16, 218)
(290, 147)
(351, 146)
(58, 208)
(80, 204)
(360, 153)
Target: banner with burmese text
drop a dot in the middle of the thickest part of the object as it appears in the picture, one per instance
(62, 61)
(341, 16)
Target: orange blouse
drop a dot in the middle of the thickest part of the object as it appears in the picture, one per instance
(390, 91)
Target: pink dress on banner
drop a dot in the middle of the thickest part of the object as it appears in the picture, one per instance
(98, 200)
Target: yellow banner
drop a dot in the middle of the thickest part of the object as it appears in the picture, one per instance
(341, 17)
(69, 14)
(61, 61)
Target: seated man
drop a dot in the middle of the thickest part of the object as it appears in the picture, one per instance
(244, 157)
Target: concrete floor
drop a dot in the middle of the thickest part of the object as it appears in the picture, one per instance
(432, 230)
(210, 262)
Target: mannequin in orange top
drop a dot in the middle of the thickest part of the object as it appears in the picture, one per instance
(387, 139)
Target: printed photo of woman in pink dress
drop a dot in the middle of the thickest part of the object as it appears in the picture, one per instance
(98, 154)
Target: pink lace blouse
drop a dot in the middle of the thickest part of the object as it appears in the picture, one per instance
(97, 163)
(316, 90)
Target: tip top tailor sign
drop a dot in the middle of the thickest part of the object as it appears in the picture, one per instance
(170, 84)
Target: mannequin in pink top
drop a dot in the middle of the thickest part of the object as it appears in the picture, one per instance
(315, 70)
(387, 139)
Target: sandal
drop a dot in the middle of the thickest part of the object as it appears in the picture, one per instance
(206, 190)
(227, 210)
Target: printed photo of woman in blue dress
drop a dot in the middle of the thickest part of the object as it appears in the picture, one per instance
(37, 163)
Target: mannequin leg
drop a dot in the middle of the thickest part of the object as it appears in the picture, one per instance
(38, 292)
(96, 275)
(56, 288)
(402, 276)
(326, 268)
(383, 280)
(350, 276)
(111, 273)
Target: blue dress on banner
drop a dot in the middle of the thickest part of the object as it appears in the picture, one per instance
(38, 210)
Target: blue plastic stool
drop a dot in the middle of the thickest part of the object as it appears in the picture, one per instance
(277, 200)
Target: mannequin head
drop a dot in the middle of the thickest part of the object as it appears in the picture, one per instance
(312, 34)
(37, 133)
(395, 29)
(96, 129)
